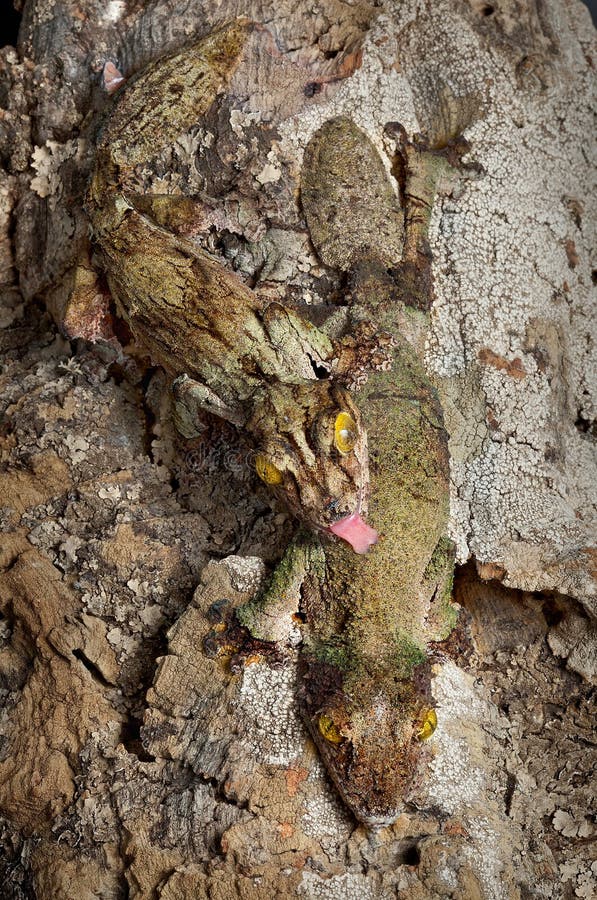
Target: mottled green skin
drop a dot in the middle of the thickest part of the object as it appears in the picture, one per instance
(369, 619)
(409, 506)
(252, 362)
(364, 660)
(373, 617)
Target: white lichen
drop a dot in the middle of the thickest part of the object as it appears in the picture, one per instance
(511, 328)
(339, 887)
(267, 705)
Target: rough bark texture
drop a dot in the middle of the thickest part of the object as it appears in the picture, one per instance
(133, 764)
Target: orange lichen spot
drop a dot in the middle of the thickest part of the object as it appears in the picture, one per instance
(453, 827)
(252, 659)
(512, 367)
(295, 775)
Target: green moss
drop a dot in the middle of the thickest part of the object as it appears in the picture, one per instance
(337, 653)
(281, 595)
(441, 561)
(406, 655)
(447, 613)
(249, 614)
(440, 571)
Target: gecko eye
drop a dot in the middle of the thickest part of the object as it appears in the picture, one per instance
(329, 730)
(428, 724)
(266, 470)
(345, 432)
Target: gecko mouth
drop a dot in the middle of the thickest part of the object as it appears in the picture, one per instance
(355, 531)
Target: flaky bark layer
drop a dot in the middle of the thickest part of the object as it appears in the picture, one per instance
(131, 760)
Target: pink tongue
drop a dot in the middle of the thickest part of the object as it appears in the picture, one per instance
(358, 534)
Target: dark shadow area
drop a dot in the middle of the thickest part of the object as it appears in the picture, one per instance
(10, 20)
(592, 4)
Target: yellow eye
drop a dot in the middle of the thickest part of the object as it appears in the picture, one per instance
(266, 470)
(428, 725)
(328, 729)
(345, 432)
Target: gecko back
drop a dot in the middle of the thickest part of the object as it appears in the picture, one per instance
(256, 363)
(365, 661)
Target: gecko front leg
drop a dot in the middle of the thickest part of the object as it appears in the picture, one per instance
(273, 614)
(272, 619)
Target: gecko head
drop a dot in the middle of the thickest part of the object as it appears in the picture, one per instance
(372, 732)
(313, 453)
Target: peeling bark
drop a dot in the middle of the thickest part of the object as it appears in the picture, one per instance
(133, 763)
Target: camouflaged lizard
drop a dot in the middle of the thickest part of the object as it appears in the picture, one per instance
(368, 621)
(370, 625)
(255, 363)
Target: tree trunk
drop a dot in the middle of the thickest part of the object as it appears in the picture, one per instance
(133, 763)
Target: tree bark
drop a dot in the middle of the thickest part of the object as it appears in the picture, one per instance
(134, 764)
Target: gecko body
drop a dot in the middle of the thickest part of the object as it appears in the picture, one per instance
(372, 624)
(369, 621)
(255, 363)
